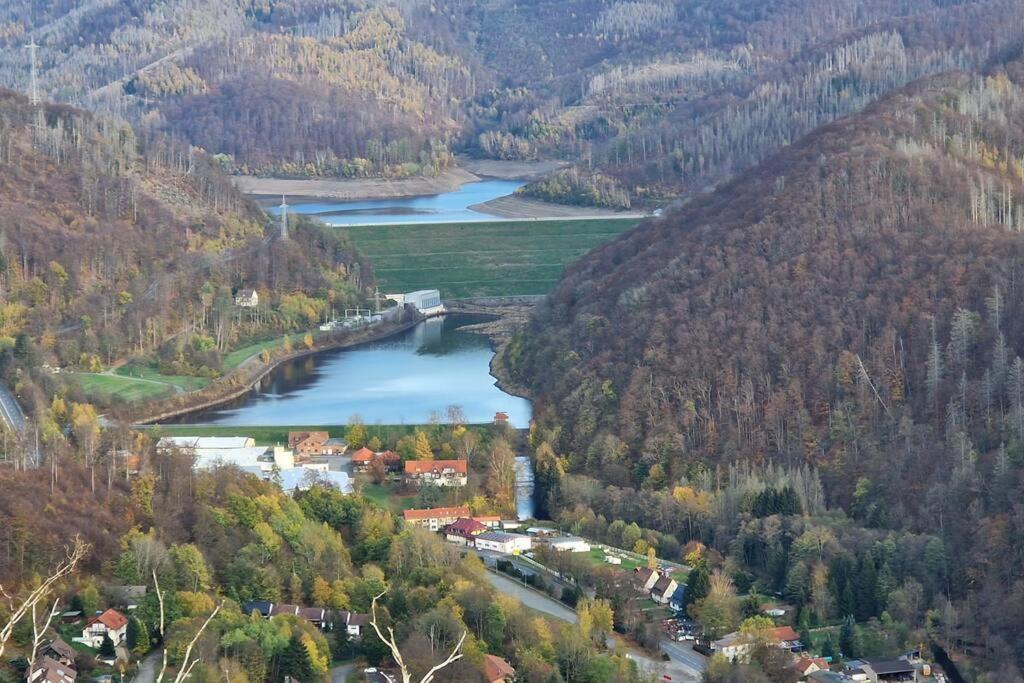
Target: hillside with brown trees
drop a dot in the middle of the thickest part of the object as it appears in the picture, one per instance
(850, 308)
(114, 244)
(662, 97)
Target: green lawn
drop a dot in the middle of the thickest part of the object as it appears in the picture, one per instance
(236, 357)
(597, 556)
(185, 382)
(107, 387)
(383, 496)
(481, 259)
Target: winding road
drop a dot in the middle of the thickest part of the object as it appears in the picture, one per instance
(683, 665)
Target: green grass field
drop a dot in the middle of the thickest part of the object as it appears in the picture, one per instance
(107, 387)
(185, 382)
(236, 357)
(481, 259)
(383, 496)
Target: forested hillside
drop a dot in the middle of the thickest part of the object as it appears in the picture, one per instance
(111, 244)
(848, 312)
(296, 88)
(661, 96)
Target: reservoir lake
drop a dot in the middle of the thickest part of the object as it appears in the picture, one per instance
(449, 207)
(407, 379)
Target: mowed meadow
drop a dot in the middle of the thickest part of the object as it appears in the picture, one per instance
(463, 260)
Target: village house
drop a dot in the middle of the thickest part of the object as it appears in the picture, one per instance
(463, 531)
(247, 298)
(678, 599)
(436, 518)
(500, 542)
(110, 623)
(59, 651)
(490, 521)
(737, 646)
(805, 666)
(437, 472)
(497, 670)
(324, 619)
(49, 670)
(354, 623)
(663, 589)
(364, 457)
(889, 670)
(308, 444)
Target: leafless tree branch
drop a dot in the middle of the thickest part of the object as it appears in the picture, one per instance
(455, 655)
(20, 608)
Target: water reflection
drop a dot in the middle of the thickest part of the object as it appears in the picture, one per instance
(446, 207)
(402, 380)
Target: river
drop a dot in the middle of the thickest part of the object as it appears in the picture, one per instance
(408, 379)
(448, 207)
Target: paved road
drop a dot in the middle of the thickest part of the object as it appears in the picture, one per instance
(340, 673)
(10, 411)
(148, 667)
(684, 664)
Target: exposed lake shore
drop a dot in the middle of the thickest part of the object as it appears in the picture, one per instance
(352, 189)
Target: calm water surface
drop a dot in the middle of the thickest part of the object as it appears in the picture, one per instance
(447, 207)
(402, 380)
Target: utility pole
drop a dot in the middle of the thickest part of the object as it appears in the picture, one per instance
(284, 218)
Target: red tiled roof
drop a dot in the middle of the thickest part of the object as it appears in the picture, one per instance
(112, 619)
(389, 457)
(496, 668)
(435, 466)
(464, 525)
(784, 633)
(364, 454)
(435, 513)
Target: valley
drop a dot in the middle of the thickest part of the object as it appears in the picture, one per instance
(480, 341)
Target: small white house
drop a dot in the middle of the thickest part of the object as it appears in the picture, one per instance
(507, 544)
(247, 298)
(110, 623)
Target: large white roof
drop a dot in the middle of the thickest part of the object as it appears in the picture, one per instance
(301, 479)
(197, 442)
(208, 458)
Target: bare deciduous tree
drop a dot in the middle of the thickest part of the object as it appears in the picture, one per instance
(455, 655)
(187, 663)
(27, 605)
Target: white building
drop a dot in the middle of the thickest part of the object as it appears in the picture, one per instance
(507, 544)
(110, 623)
(426, 301)
(247, 298)
(241, 451)
(573, 544)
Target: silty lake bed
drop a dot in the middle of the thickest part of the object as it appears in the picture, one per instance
(449, 207)
(408, 379)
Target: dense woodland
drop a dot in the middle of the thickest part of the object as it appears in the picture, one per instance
(113, 245)
(662, 95)
(843, 321)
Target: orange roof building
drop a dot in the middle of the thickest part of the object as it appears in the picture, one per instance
(438, 472)
(497, 670)
(435, 518)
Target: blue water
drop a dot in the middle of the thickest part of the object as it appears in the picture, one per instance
(447, 207)
(409, 379)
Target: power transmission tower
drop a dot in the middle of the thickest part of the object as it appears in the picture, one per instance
(284, 218)
(33, 89)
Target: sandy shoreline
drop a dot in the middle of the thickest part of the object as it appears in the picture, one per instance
(357, 188)
(518, 207)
